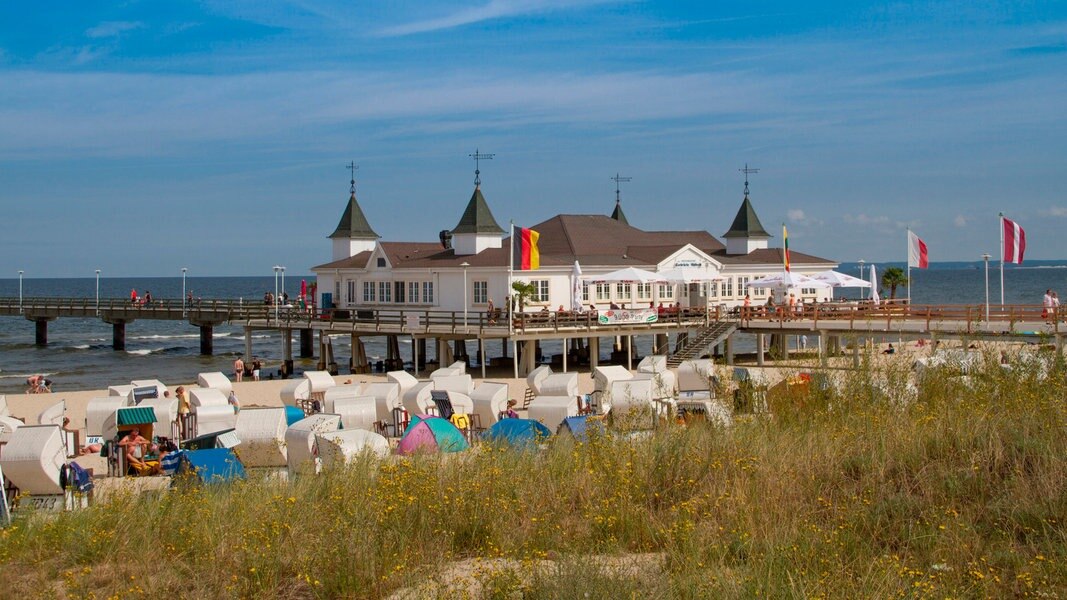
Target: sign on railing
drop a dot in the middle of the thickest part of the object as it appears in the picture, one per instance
(622, 315)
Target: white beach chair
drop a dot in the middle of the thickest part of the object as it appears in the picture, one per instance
(206, 397)
(357, 412)
(4, 410)
(300, 441)
(695, 379)
(53, 415)
(161, 388)
(120, 390)
(403, 379)
(166, 410)
(98, 410)
(559, 384)
(8, 425)
(387, 399)
(33, 458)
(262, 434)
(463, 384)
(295, 392)
(490, 399)
(338, 447)
(655, 363)
(417, 398)
(603, 378)
(551, 410)
(216, 380)
(214, 418)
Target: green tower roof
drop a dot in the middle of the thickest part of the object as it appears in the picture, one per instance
(354, 225)
(746, 223)
(477, 218)
(618, 215)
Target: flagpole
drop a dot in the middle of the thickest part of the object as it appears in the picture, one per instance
(1002, 259)
(511, 298)
(909, 267)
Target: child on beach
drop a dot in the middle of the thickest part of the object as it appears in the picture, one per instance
(510, 412)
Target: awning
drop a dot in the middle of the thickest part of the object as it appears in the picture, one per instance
(136, 415)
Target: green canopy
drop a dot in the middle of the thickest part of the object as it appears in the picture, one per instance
(136, 415)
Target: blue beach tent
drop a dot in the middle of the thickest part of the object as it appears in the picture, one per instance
(579, 427)
(292, 415)
(517, 432)
(213, 465)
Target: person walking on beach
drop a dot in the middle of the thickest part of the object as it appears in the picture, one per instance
(239, 369)
(256, 366)
(234, 402)
(184, 408)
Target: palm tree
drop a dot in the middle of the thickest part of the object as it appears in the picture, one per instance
(523, 292)
(892, 278)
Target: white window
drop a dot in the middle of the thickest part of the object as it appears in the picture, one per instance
(742, 285)
(603, 292)
(644, 291)
(729, 283)
(712, 290)
(368, 292)
(585, 292)
(540, 290)
(413, 292)
(385, 291)
(808, 291)
(427, 292)
(350, 298)
(481, 292)
(666, 291)
(399, 287)
(623, 291)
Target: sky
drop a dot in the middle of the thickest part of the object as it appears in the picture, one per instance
(141, 137)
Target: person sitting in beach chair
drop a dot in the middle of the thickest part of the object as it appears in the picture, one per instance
(135, 448)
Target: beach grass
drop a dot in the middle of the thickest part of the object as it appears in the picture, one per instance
(949, 487)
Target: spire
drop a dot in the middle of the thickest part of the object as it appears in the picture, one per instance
(353, 224)
(746, 223)
(617, 214)
(477, 218)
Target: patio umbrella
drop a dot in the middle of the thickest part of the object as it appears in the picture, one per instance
(627, 275)
(874, 287)
(576, 289)
(303, 288)
(787, 279)
(837, 279)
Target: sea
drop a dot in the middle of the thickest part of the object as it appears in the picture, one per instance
(79, 354)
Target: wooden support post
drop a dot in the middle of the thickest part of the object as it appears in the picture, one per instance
(728, 349)
(118, 335)
(307, 338)
(481, 357)
(40, 327)
(629, 353)
(207, 340)
(760, 349)
(248, 344)
(824, 359)
(594, 353)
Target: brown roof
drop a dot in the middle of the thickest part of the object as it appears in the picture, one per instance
(589, 239)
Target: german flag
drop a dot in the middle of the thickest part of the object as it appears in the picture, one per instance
(524, 253)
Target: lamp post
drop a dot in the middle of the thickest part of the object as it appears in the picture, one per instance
(863, 291)
(20, 290)
(184, 269)
(283, 281)
(98, 291)
(986, 257)
(465, 265)
(277, 269)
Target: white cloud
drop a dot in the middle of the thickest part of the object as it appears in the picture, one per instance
(1057, 211)
(109, 29)
(494, 9)
(866, 220)
(960, 221)
(796, 215)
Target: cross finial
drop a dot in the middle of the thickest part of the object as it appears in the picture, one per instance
(746, 171)
(478, 157)
(353, 167)
(617, 179)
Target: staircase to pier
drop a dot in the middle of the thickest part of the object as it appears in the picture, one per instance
(701, 342)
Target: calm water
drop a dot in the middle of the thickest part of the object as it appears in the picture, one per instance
(79, 354)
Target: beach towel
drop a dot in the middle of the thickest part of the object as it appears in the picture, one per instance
(171, 461)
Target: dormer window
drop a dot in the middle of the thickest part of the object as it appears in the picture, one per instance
(381, 263)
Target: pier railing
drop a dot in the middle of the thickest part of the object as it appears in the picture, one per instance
(890, 313)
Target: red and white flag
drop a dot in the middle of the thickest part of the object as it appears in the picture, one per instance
(917, 256)
(1014, 241)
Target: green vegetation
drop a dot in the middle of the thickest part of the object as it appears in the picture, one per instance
(892, 278)
(956, 488)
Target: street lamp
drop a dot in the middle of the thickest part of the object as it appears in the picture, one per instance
(465, 265)
(98, 291)
(277, 269)
(863, 291)
(986, 257)
(184, 269)
(20, 290)
(283, 281)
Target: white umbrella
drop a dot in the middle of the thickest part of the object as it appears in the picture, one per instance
(874, 287)
(576, 289)
(688, 275)
(627, 275)
(836, 279)
(787, 279)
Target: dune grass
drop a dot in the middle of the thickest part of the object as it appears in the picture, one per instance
(952, 488)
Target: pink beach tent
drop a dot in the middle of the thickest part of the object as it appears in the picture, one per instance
(427, 433)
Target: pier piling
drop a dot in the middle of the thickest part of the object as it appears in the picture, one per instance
(118, 335)
(40, 332)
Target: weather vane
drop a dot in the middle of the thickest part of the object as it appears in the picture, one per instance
(353, 167)
(617, 179)
(746, 171)
(478, 157)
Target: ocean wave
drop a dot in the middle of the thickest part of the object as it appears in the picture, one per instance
(163, 350)
(180, 336)
(23, 375)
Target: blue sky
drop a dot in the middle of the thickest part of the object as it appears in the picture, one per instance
(140, 137)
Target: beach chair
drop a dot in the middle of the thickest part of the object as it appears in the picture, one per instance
(551, 410)
(262, 435)
(216, 380)
(300, 441)
(489, 400)
(338, 447)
